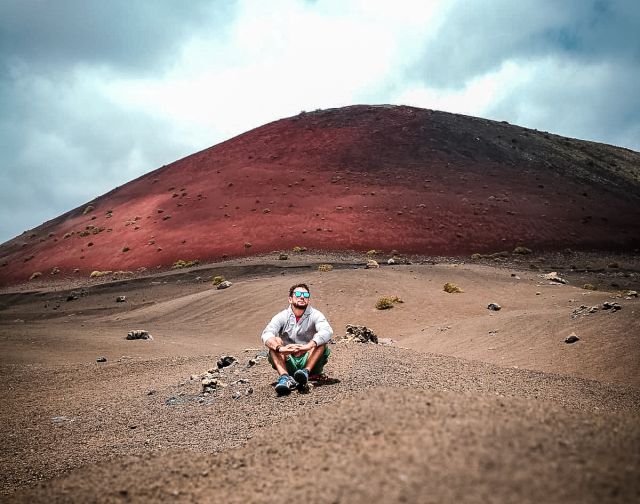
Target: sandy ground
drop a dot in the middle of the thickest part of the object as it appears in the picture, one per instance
(466, 405)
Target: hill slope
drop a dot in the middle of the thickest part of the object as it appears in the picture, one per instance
(359, 177)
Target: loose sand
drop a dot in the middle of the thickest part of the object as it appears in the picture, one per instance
(467, 405)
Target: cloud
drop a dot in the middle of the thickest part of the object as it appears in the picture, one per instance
(567, 67)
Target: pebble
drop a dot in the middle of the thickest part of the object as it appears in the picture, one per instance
(101, 359)
(121, 299)
(224, 285)
(494, 307)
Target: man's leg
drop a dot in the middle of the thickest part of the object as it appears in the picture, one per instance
(314, 356)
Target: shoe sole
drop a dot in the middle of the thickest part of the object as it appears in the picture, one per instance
(301, 378)
(283, 390)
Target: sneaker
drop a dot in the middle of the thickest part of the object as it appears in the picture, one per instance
(285, 384)
(302, 377)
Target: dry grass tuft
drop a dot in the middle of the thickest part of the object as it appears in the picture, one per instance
(522, 250)
(180, 263)
(98, 274)
(217, 280)
(387, 302)
(451, 288)
(589, 286)
(35, 275)
(325, 267)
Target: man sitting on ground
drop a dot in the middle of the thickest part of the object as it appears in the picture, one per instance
(297, 341)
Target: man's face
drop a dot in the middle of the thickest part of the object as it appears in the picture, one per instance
(300, 298)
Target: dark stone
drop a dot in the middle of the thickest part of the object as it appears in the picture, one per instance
(225, 361)
(572, 338)
(494, 306)
(101, 359)
(121, 299)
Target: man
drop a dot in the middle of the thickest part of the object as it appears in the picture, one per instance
(297, 341)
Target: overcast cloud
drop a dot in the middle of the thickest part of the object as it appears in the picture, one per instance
(95, 93)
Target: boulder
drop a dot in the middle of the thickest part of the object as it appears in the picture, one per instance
(360, 334)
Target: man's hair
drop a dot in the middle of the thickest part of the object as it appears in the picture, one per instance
(294, 287)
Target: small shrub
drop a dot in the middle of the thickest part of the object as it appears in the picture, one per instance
(522, 250)
(184, 264)
(476, 256)
(589, 286)
(387, 302)
(325, 267)
(299, 249)
(372, 252)
(217, 280)
(451, 288)
(283, 257)
(89, 208)
(35, 275)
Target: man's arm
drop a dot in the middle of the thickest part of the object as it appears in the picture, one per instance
(324, 332)
(271, 334)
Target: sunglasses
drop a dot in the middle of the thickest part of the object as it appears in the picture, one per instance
(301, 294)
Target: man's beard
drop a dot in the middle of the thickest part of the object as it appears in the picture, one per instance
(301, 306)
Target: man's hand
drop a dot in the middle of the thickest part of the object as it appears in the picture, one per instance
(297, 349)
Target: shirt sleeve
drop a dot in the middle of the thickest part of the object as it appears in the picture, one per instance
(273, 327)
(324, 332)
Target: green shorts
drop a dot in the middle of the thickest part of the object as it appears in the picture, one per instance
(294, 363)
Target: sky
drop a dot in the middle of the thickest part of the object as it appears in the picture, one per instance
(95, 93)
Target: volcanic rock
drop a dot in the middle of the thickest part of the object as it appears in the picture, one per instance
(572, 338)
(225, 361)
(360, 334)
(139, 334)
(224, 285)
(494, 307)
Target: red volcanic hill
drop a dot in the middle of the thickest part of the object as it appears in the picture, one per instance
(360, 177)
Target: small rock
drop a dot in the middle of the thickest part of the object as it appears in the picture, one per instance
(59, 420)
(236, 395)
(101, 359)
(611, 306)
(151, 392)
(372, 264)
(249, 391)
(72, 297)
(224, 285)
(121, 299)
(385, 341)
(283, 257)
(225, 361)
(494, 306)
(632, 293)
(572, 338)
(139, 334)
(391, 261)
(553, 277)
